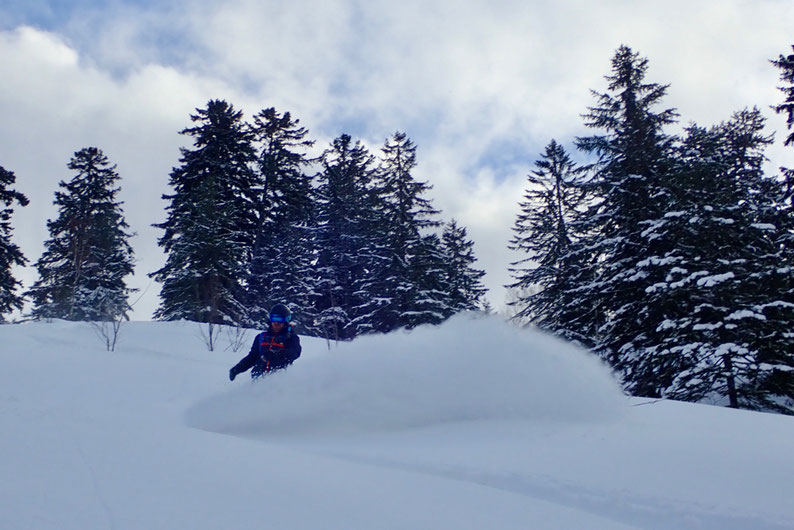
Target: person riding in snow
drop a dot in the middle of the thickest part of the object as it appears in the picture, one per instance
(273, 349)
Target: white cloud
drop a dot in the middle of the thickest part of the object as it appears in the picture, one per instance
(59, 104)
(481, 88)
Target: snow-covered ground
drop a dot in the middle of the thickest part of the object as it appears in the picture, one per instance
(473, 424)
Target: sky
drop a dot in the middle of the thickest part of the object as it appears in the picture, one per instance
(480, 87)
(405, 430)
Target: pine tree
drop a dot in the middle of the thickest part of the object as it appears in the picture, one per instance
(212, 221)
(785, 192)
(630, 188)
(344, 237)
(10, 254)
(82, 270)
(786, 66)
(725, 294)
(408, 288)
(282, 256)
(765, 314)
(784, 222)
(545, 230)
(684, 244)
(462, 282)
(430, 299)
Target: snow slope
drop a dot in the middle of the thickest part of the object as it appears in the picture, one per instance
(473, 424)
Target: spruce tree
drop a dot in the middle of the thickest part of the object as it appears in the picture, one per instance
(784, 220)
(545, 231)
(85, 261)
(212, 222)
(282, 257)
(409, 290)
(344, 237)
(430, 300)
(685, 247)
(725, 294)
(786, 66)
(462, 282)
(630, 187)
(765, 315)
(785, 197)
(10, 254)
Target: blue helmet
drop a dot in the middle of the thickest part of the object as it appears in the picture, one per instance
(280, 313)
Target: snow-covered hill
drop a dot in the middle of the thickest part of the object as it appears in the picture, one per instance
(473, 424)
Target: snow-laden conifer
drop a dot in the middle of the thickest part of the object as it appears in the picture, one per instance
(281, 268)
(212, 221)
(630, 186)
(462, 281)
(405, 289)
(726, 308)
(786, 66)
(784, 221)
(344, 237)
(545, 233)
(10, 253)
(785, 198)
(85, 261)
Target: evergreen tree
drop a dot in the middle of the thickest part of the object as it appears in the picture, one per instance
(631, 191)
(462, 282)
(685, 246)
(545, 230)
(10, 254)
(282, 257)
(785, 199)
(784, 221)
(407, 289)
(725, 295)
(766, 314)
(212, 222)
(786, 66)
(344, 237)
(82, 270)
(430, 299)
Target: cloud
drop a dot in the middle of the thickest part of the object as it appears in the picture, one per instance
(481, 88)
(59, 104)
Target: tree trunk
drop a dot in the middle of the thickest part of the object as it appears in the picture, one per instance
(732, 397)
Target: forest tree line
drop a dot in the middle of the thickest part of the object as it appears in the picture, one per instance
(669, 256)
(348, 239)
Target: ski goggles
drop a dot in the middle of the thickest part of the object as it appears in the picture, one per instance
(279, 318)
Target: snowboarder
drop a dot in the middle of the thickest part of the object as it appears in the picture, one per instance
(273, 349)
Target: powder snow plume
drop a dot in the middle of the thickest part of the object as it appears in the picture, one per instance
(472, 367)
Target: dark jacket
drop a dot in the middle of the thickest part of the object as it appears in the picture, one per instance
(270, 351)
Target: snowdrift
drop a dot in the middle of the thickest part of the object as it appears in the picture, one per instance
(472, 367)
(515, 430)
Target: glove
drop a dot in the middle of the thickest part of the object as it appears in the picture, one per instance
(232, 374)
